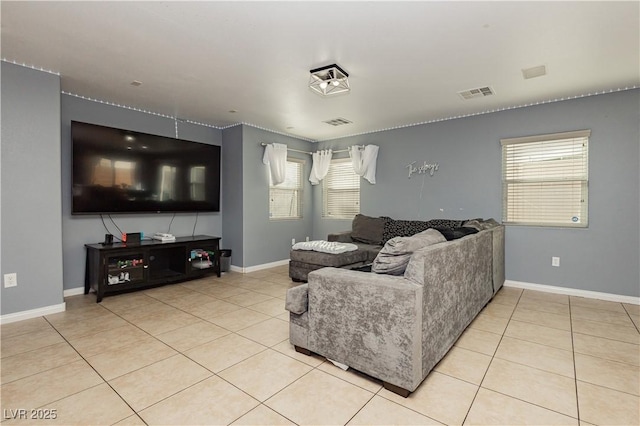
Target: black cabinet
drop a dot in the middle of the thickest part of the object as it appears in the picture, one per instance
(120, 267)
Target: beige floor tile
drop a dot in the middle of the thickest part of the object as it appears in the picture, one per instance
(106, 340)
(265, 373)
(508, 295)
(210, 310)
(602, 406)
(545, 297)
(49, 386)
(79, 301)
(87, 327)
(544, 306)
(498, 309)
(284, 317)
(247, 299)
(465, 365)
(610, 374)
(479, 341)
(151, 384)
(190, 300)
(613, 350)
(38, 360)
(185, 338)
(440, 397)
(210, 402)
(492, 408)
(548, 390)
(287, 348)
(632, 309)
(636, 320)
(224, 352)
(134, 420)
(167, 292)
(21, 343)
(381, 411)
(273, 307)
(538, 334)
(352, 376)
(596, 304)
(98, 405)
(249, 283)
(151, 309)
(598, 315)
(125, 302)
(116, 362)
(268, 333)
(534, 355)
(74, 316)
(222, 291)
(627, 334)
(486, 322)
(162, 323)
(18, 328)
(273, 290)
(237, 320)
(262, 416)
(561, 322)
(319, 398)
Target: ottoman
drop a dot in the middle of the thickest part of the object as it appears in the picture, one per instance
(304, 261)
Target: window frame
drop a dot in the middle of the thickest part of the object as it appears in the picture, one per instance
(544, 177)
(298, 192)
(326, 192)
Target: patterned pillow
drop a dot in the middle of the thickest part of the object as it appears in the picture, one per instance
(407, 228)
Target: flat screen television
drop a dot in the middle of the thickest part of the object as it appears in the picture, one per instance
(122, 171)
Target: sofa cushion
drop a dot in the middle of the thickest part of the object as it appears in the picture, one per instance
(326, 259)
(481, 224)
(395, 255)
(406, 228)
(455, 233)
(366, 229)
(297, 299)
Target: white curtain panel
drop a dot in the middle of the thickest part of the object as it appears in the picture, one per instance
(364, 161)
(320, 168)
(275, 156)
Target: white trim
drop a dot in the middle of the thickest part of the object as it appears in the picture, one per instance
(32, 313)
(574, 292)
(260, 267)
(73, 291)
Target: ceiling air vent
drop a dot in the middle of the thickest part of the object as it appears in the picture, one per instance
(338, 121)
(480, 92)
(534, 72)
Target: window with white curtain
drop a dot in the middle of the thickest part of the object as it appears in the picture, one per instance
(341, 191)
(545, 180)
(285, 199)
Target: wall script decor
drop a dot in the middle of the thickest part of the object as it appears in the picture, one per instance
(423, 169)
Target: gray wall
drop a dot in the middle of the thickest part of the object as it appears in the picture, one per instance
(80, 230)
(232, 230)
(603, 257)
(265, 240)
(31, 218)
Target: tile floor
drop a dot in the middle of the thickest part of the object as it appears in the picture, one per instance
(216, 351)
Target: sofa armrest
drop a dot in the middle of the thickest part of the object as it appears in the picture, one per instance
(368, 321)
(341, 237)
(297, 299)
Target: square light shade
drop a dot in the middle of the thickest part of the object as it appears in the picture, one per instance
(329, 80)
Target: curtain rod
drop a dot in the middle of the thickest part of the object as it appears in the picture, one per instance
(307, 152)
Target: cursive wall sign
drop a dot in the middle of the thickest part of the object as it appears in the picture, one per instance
(423, 169)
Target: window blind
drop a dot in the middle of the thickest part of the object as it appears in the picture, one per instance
(545, 179)
(341, 191)
(285, 199)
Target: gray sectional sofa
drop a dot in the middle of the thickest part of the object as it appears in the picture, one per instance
(398, 327)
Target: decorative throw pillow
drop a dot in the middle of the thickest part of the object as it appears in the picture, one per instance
(455, 233)
(366, 229)
(395, 255)
(406, 228)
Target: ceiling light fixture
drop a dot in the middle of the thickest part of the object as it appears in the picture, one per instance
(329, 80)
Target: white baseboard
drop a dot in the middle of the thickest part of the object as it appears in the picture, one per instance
(259, 267)
(32, 313)
(574, 292)
(73, 291)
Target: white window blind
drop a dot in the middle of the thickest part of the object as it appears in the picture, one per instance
(545, 179)
(341, 191)
(285, 199)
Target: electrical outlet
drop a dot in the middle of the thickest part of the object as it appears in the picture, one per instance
(307, 239)
(10, 280)
(555, 261)
(293, 241)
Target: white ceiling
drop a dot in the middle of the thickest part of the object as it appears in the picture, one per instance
(406, 60)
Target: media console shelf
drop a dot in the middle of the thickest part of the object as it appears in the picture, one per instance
(118, 267)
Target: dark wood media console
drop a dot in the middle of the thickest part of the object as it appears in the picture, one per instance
(120, 267)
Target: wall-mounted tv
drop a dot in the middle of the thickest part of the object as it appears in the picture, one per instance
(122, 171)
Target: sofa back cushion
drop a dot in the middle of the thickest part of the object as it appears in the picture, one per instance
(395, 255)
(406, 228)
(368, 230)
